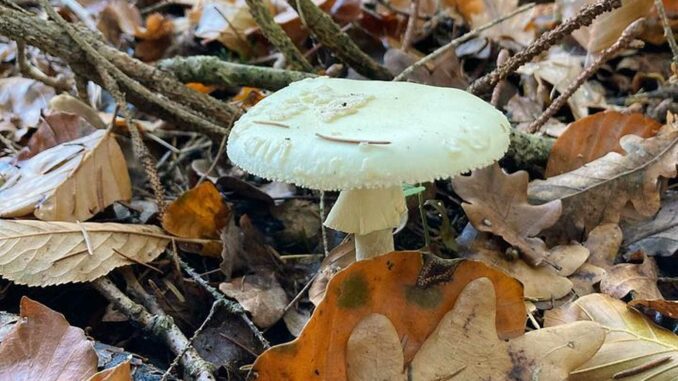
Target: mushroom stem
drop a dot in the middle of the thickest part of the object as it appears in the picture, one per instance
(370, 214)
(373, 244)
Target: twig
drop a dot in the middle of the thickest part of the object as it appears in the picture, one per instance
(231, 306)
(176, 360)
(160, 325)
(545, 41)
(408, 37)
(502, 57)
(668, 32)
(458, 41)
(211, 70)
(277, 36)
(60, 83)
(626, 38)
(352, 141)
(641, 368)
(330, 35)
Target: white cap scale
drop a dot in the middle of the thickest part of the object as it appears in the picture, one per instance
(365, 138)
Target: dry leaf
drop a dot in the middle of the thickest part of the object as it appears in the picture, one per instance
(384, 285)
(154, 39)
(117, 18)
(245, 247)
(594, 136)
(444, 71)
(606, 28)
(21, 100)
(38, 253)
(42, 346)
(597, 192)
(465, 346)
(658, 236)
(228, 23)
(632, 340)
(339, 258)
(496, 202)
(541, 282)
(603, 243)
(516, 28)
(69, 182)
(55, 128)
(259, 294)
(120, 372)
(665, 307)
(198, 213)
(625, 278)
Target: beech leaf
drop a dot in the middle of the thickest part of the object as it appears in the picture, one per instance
(198, 213)
(496, 202)
(69, 182)
(39, 253)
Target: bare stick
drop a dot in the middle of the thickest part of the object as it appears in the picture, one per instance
(626, 38)
(60, 83)
(408, 37)
(277, 36)
(160, 325)
(668, 33)
(584, 18)
(458, 41)
(330, 35)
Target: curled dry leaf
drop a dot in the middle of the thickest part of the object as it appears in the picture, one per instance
(38, 253)
(42, 346)
(665, 307)
(597, 192)
(120, 372)
(638, 279)
(55, 128)
(384, 285)
(632, 343)
(541, 282)
(594, 136)
(496, 202)
(198, 213)
(465, 346)
(260, 294)
(658, 236)
(69, 182)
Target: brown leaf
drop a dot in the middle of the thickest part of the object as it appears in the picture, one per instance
(54, 129)
(603, 242)
(38, 253)
(665, 307)
(198, 213)
(632, 341)
(496, 202)
(384, 285)
(260, 294)
(244, 247)
(594, 136)
(465, 346)
(597, 192)
(21, 99)
(42, 346)
(342, 256)
(445, 70)
(154, 39)
(658, 236)
(226, 22)
(625, 278)
(516, 28)
(120, 372)
(72, 181)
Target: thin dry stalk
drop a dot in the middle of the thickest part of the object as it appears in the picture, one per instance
(60, 83)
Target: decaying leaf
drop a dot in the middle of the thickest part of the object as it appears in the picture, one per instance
(496, 202)
(465, 346)
(594, 136)
(226, 22)
(38, 253)
(603, 244)
(541, 282)
(638, 279)
(42, 346)
(342, 256)
(384, 285)
(259, 294)
(55, 128)
(658, 236)
(69, 182)
(632, 343)
(21, 100)
(198, 213)
(665, 307)
(597, 192)
(445, 70)
(154, 39)
(516, 28)
(120, 372)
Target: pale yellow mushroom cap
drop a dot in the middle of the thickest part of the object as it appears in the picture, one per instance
(337, 134)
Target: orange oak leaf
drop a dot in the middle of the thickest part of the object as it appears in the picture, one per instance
(198, 213)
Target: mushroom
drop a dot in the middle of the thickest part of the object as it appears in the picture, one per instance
(365, 138)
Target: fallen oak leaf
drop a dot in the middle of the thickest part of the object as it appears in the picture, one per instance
(120, 372)
(55, 128)
(496, 202)
(43, 346)
(199, 212)
(638, 279)
(592, 137)
(463, 337)
(385, 285)
(259, 294)
(665, 307)
(632, 341)
(656, 237)
(597, 192)
(69, 182)
(39, 253)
